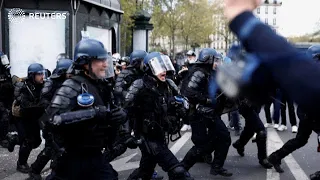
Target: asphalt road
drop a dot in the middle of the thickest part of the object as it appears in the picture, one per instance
(297, 166)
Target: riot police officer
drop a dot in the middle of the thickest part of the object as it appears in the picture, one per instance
(204, 116)
(129, 75)
(253, 124)
(47, 92)
(27, 111)
(307, 124)
(80, 113)
(6, 98)
(154, 94)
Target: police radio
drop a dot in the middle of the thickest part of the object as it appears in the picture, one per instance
(85, 100)
(182, 100)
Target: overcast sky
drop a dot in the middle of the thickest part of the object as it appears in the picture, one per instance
(298, 17)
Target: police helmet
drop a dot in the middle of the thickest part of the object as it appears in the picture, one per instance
(314, 52)
(87, 50)
(191, 53)
(207, 56)
(34, 69)
(157, 63)
(5, 60)
(61, 68)
(137, 56)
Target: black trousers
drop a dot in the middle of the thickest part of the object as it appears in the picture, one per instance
(29, 137)
(216, 138)
(253, 124)
(153, 153)
(83, 166)
(45, 155)
(301, 139)
(4, 121)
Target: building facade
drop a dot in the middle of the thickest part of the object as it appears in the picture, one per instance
(38, 31)
(268, 13)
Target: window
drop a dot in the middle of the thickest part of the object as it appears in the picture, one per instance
(266, 21)
(274, 21)
(267, 10)
(258, 10)
(274, 10)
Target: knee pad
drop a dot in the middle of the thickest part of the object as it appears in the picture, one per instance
(261, 135)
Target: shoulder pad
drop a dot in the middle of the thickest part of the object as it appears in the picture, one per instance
(19, 84)
(173, 86)
(71, 83)
(196, 79)
(133, 91)
(66, 95)
(47, 87)
(199, 74)
(17, 88)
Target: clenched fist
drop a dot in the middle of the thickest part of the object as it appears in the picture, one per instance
(235, 7)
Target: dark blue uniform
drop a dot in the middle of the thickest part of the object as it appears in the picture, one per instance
(288, 67)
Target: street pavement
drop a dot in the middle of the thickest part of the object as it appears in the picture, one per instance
(299, 165)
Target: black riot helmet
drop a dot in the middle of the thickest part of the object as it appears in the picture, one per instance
(136, 58)
(61, 68)
(314, 52)
(207, 56)
(88, 50)
(34, 69)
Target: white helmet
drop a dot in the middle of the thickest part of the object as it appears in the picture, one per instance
(116, 57)
(191, 53)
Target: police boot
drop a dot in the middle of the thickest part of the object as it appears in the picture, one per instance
(240, 149)
(42, 159)
(276, 162)
(315, 176)
(215, 170)
(179, 173)
(33, 176)
(265, 163)
(24, 168)
(13, 140)
(262, 149)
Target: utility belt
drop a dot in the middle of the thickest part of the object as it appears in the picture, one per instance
(167, 130)
(152, 128)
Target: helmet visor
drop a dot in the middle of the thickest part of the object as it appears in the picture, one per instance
(5, 60)
(157, 66)
(167, 63)
(110, 68)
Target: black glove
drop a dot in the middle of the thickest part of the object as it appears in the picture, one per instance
(182, 112)
(118, 116)
(131, 142)
(206, 112)
(116, 151)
